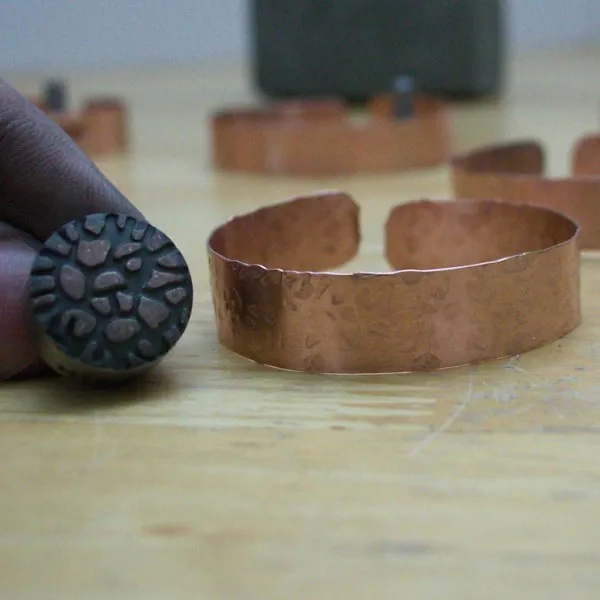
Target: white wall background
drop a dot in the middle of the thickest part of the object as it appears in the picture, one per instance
(54, 34)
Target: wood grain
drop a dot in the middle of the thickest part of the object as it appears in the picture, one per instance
(219, 479)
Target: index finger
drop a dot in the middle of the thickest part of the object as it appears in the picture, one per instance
(46, 179)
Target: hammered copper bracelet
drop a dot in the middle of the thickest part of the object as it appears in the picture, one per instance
(514, 172)
(473, 280)
(319, 138)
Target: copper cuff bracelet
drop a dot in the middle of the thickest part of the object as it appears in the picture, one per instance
(318, 138)
(473, 280)
(514, 172)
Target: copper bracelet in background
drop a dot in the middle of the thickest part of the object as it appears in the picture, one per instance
(514, 172)
(99, 127)
(319, 138)
(473, 280)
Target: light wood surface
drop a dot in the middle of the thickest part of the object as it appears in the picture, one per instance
(220, 479)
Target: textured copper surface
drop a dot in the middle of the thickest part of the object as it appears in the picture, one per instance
(111, 296)
(514, 172)
(319, 137)
(473, 280)
(99, 127)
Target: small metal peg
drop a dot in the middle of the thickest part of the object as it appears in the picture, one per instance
(55, 95)
(403, 90)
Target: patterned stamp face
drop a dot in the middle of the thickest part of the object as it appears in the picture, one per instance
(111, 292)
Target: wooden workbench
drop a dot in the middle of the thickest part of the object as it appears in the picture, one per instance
(219, 479)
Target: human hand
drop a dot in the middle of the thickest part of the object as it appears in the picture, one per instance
(45, 181)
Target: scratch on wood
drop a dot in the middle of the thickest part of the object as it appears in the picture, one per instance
(429, 439)
(534, 382)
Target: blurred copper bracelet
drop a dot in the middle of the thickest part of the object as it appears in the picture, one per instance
(474, 280)
(319, 138)
(514, 172)
(99, 127)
